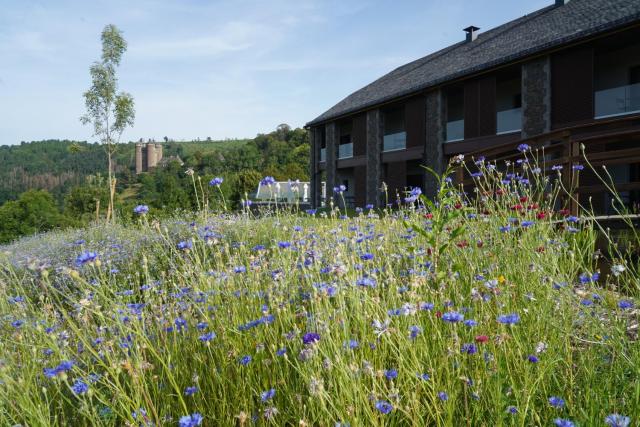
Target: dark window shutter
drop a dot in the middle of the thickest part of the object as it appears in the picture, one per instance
(572, 87)
(415, 122)
(359, 135)
(471, 109)
(487, 106)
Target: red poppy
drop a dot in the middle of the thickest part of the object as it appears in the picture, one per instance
(482, 338)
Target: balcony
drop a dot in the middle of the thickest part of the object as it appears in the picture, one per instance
(323, 154)
(455, 130)
(509, 121)
(394, 141)
(345, 151)
(617, 101)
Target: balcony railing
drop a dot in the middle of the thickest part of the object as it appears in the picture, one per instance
(395, 141)
(617, 101)
(323, 154)
(455, 130)
(509, 120)
(345, 151)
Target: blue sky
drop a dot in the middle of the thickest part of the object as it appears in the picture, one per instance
(223, 69)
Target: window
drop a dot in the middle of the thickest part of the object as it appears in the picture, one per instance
(395, 137)
(617, 81)
(345, 148)
(455, 114)
(509, 103)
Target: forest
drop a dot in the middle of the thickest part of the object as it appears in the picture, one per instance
(59, 183)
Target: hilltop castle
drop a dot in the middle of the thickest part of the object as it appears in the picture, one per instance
(149, 156)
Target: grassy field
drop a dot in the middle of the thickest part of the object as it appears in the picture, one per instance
(483, 312)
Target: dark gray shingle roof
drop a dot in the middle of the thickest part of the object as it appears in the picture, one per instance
(546, 28)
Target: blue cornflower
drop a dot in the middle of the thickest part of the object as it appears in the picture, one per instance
(452, 317)
(470, 323)
(533, 359)
(391, 374)
(563, 422)
(578, 167)
(192, 420)
(414, 331)
(310, 338)
(505, 228)
(512, 410)
(85, 258)
(617, 420)
(17, 323)
(284, 245)
(384, 406)
(80, 387)
(141, 209)
(339, 189)
(366, 257)
(180, 323)
(367, 282)
(523, 147)
(245, 360)
(216, 182)
(184, 245)
(469, 348)
(509, 319)
(443, 396)
(190, 391)
(268, 181)
(282, 351)
(526, 224)
(625, 304)
(556, 402)
(207, 337)
(556, 167)
(588, 278)
(239, 269)
(268, 395)
(311, 211)
(423, 377)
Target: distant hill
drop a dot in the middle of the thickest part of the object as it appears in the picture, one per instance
(57, 165)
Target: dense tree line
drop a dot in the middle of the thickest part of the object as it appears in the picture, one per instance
(51, 184)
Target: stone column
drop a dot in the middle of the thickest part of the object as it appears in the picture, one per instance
(151, 156)
(374, 156)
(331, 132)
(158, 153)
(536, 97)
(138, 159)
(433, 155)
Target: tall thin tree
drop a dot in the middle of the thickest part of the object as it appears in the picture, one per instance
(108, 111)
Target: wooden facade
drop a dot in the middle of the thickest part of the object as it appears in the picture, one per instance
(570, 119)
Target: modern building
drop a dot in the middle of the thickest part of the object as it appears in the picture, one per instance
(565, 75)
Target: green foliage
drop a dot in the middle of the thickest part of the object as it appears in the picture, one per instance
(34, 211)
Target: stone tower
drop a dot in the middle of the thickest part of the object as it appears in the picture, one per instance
(148, 156)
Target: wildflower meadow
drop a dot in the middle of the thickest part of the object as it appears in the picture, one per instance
(488, 307)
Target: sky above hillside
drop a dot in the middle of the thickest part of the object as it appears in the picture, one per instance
(219, 69)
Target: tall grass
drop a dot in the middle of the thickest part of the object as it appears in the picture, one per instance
(485, 310)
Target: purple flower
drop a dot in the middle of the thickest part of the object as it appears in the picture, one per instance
(339, 189)
(384, 406)
(268, 181)
(184, 245)
(216, 182)
(190, 391)
(192, 420)
(310, 338)
(562, 422)
(207, 337)
(245, 360)
(141, 209)
(443, 396)
(366, 257)
(556, 402)
(391, 374)
(268, 395)
(617, 420)
(469, 348)
(85, 258)
(80, 387)
(452, 317)
(509, 319)
(533, 359)
(523, 147)
(625, 304)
